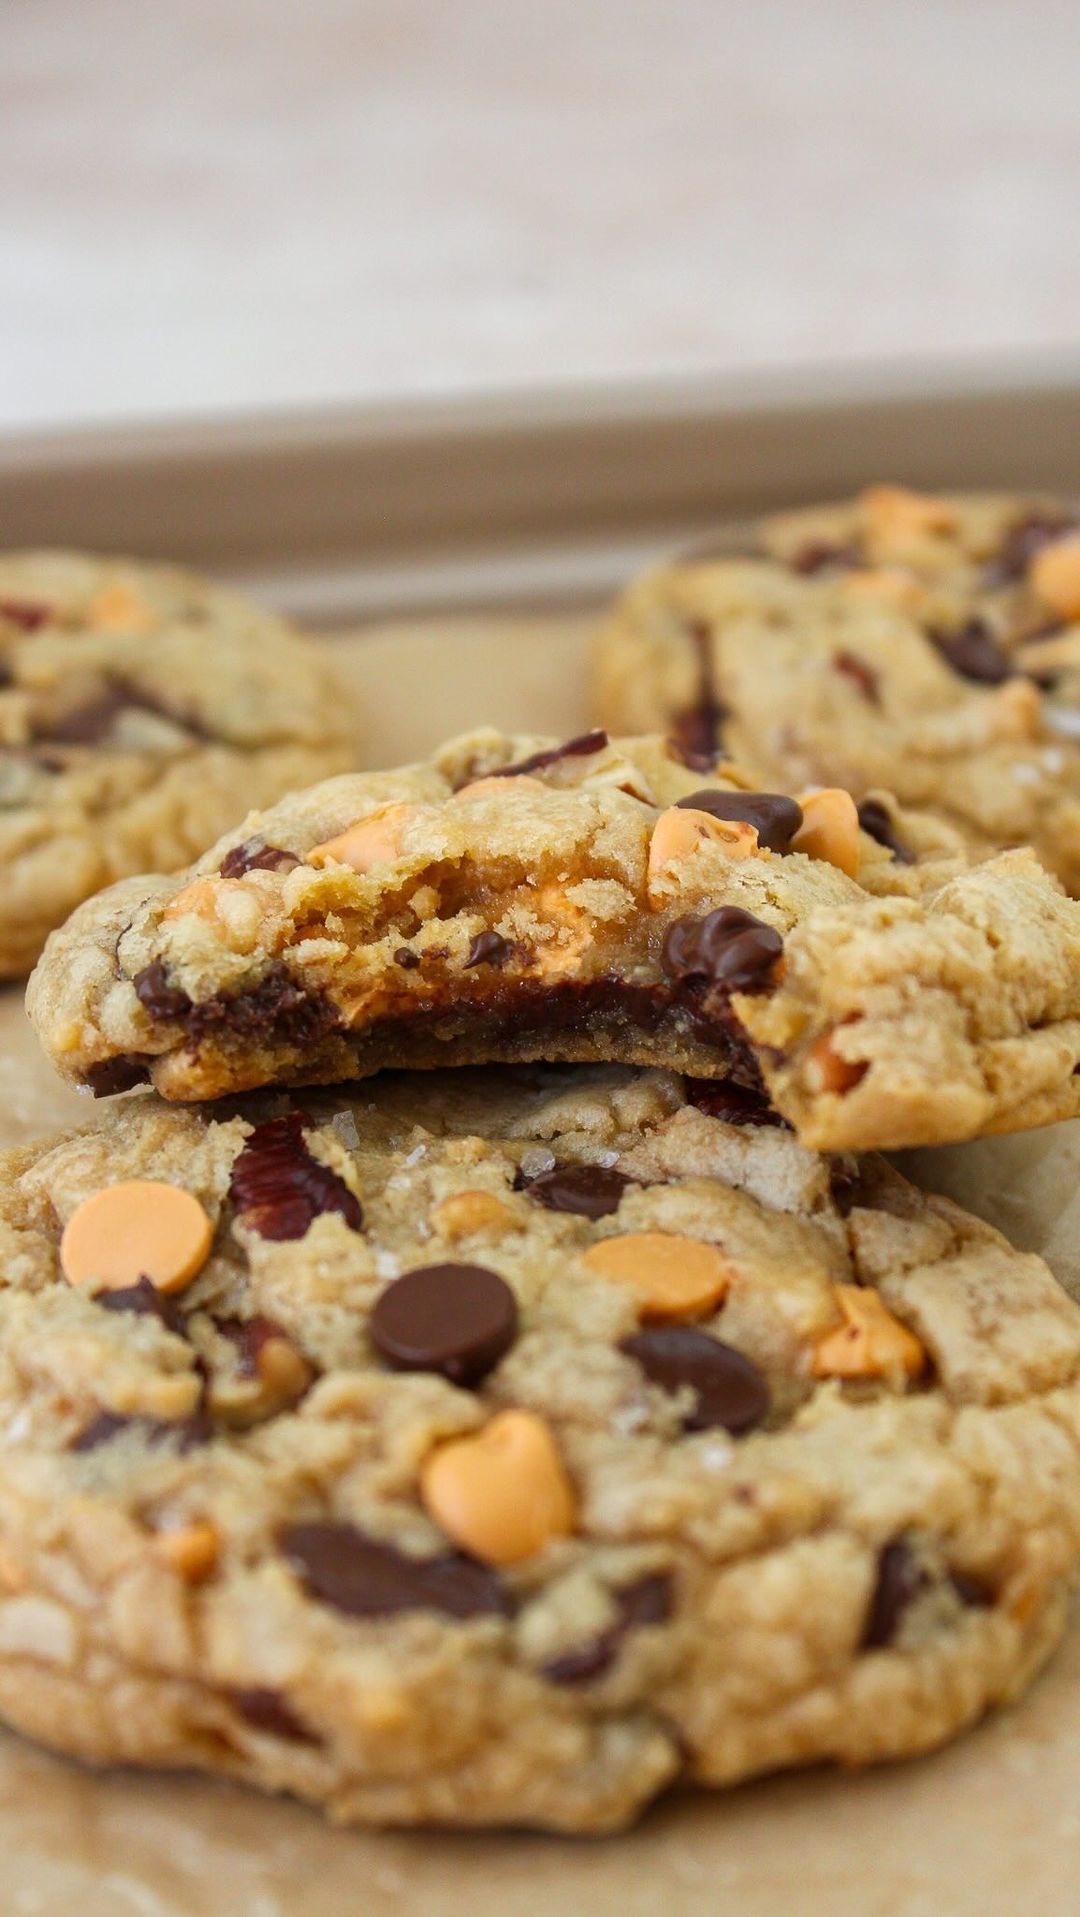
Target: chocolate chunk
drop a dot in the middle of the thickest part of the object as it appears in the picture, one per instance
(268, 1711)
(89, 724)
(821, 555)
(145, 1298)
(407, 960)
(729, 947)
(861, 675)
(120, 1074)
(488, 948)
(730, 1390)
(185, 1433)
(877, 821)
(735, 1104)
(900, 1578)
(363, 1578)
(582, 747)
(971, 1591)
(458, 1320)
(776, 818)
(646, 1602)
(279, 1188)
(1021, 543)
(593, 1191)
(152, 989)
(975, 654)
(696, 730)
(255, 855)
(248, 1336)
(276, 1010)
(24, 613)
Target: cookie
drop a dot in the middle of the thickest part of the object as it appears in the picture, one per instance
(929, 646)
(142, 712)
(596, 901)
(505, 1448)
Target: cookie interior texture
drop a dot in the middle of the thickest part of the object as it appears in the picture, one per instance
(142, 711)
(519, 899)
(826, 1512)
(928, 645)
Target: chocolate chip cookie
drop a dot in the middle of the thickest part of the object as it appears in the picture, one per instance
(597, 900)
(929, 646)
(501, 1448)
(141, 712)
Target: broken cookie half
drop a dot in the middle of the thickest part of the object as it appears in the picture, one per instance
(516, 899)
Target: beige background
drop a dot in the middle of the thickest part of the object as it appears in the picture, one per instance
(991, 1825)
(232, 203)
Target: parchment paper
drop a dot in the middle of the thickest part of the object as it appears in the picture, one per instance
(989, 1827)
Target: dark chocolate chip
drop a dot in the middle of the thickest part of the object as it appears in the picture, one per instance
(268, 1711)
(822, 555)
(975, 654)
(152, 989)
(735, 1104)
(646, 1602)
(488, 948)
(590, 1190)
(729, 1389)
(1021, 543)
(861, 675)
(24, 613)
(113, 1075)
(89, 724)
(363, 1578)
(582, 747)
(877, 821)
(185, 1433)
(255, 855)
(696, 731)
(145, 1298)
(276, 1010)
(279, 1188)
(407, 960)
(458, 1320)
(776, 818)
(729, 947)
(900, 1578)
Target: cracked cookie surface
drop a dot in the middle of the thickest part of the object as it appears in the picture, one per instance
(141, 712)
(924, 644)
(725, 1457)
(598, 901)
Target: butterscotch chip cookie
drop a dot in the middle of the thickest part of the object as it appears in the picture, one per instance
(438, 1492)
(926, 645)
(516, 899)
(141, 712)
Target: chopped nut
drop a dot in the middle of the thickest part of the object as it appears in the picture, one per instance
(830, 829)
(501, 1493)
(465, 1213)
(870, 1343)
(191, 1551)
(671, 1277)
(374, 840)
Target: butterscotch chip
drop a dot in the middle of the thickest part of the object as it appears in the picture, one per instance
(501, 1493)
(465, 1212)
(828, 1071)
(142, 1228)
(679, 832)
(371, 842)
(895, 514)
(120, 608)
(671, 1277)
(830, 829)
(1055, 576)
(191, 1550)
(870, 1343)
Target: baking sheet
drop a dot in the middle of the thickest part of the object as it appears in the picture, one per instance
(991, 1824)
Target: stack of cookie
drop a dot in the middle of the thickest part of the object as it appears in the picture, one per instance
(482, 1375)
